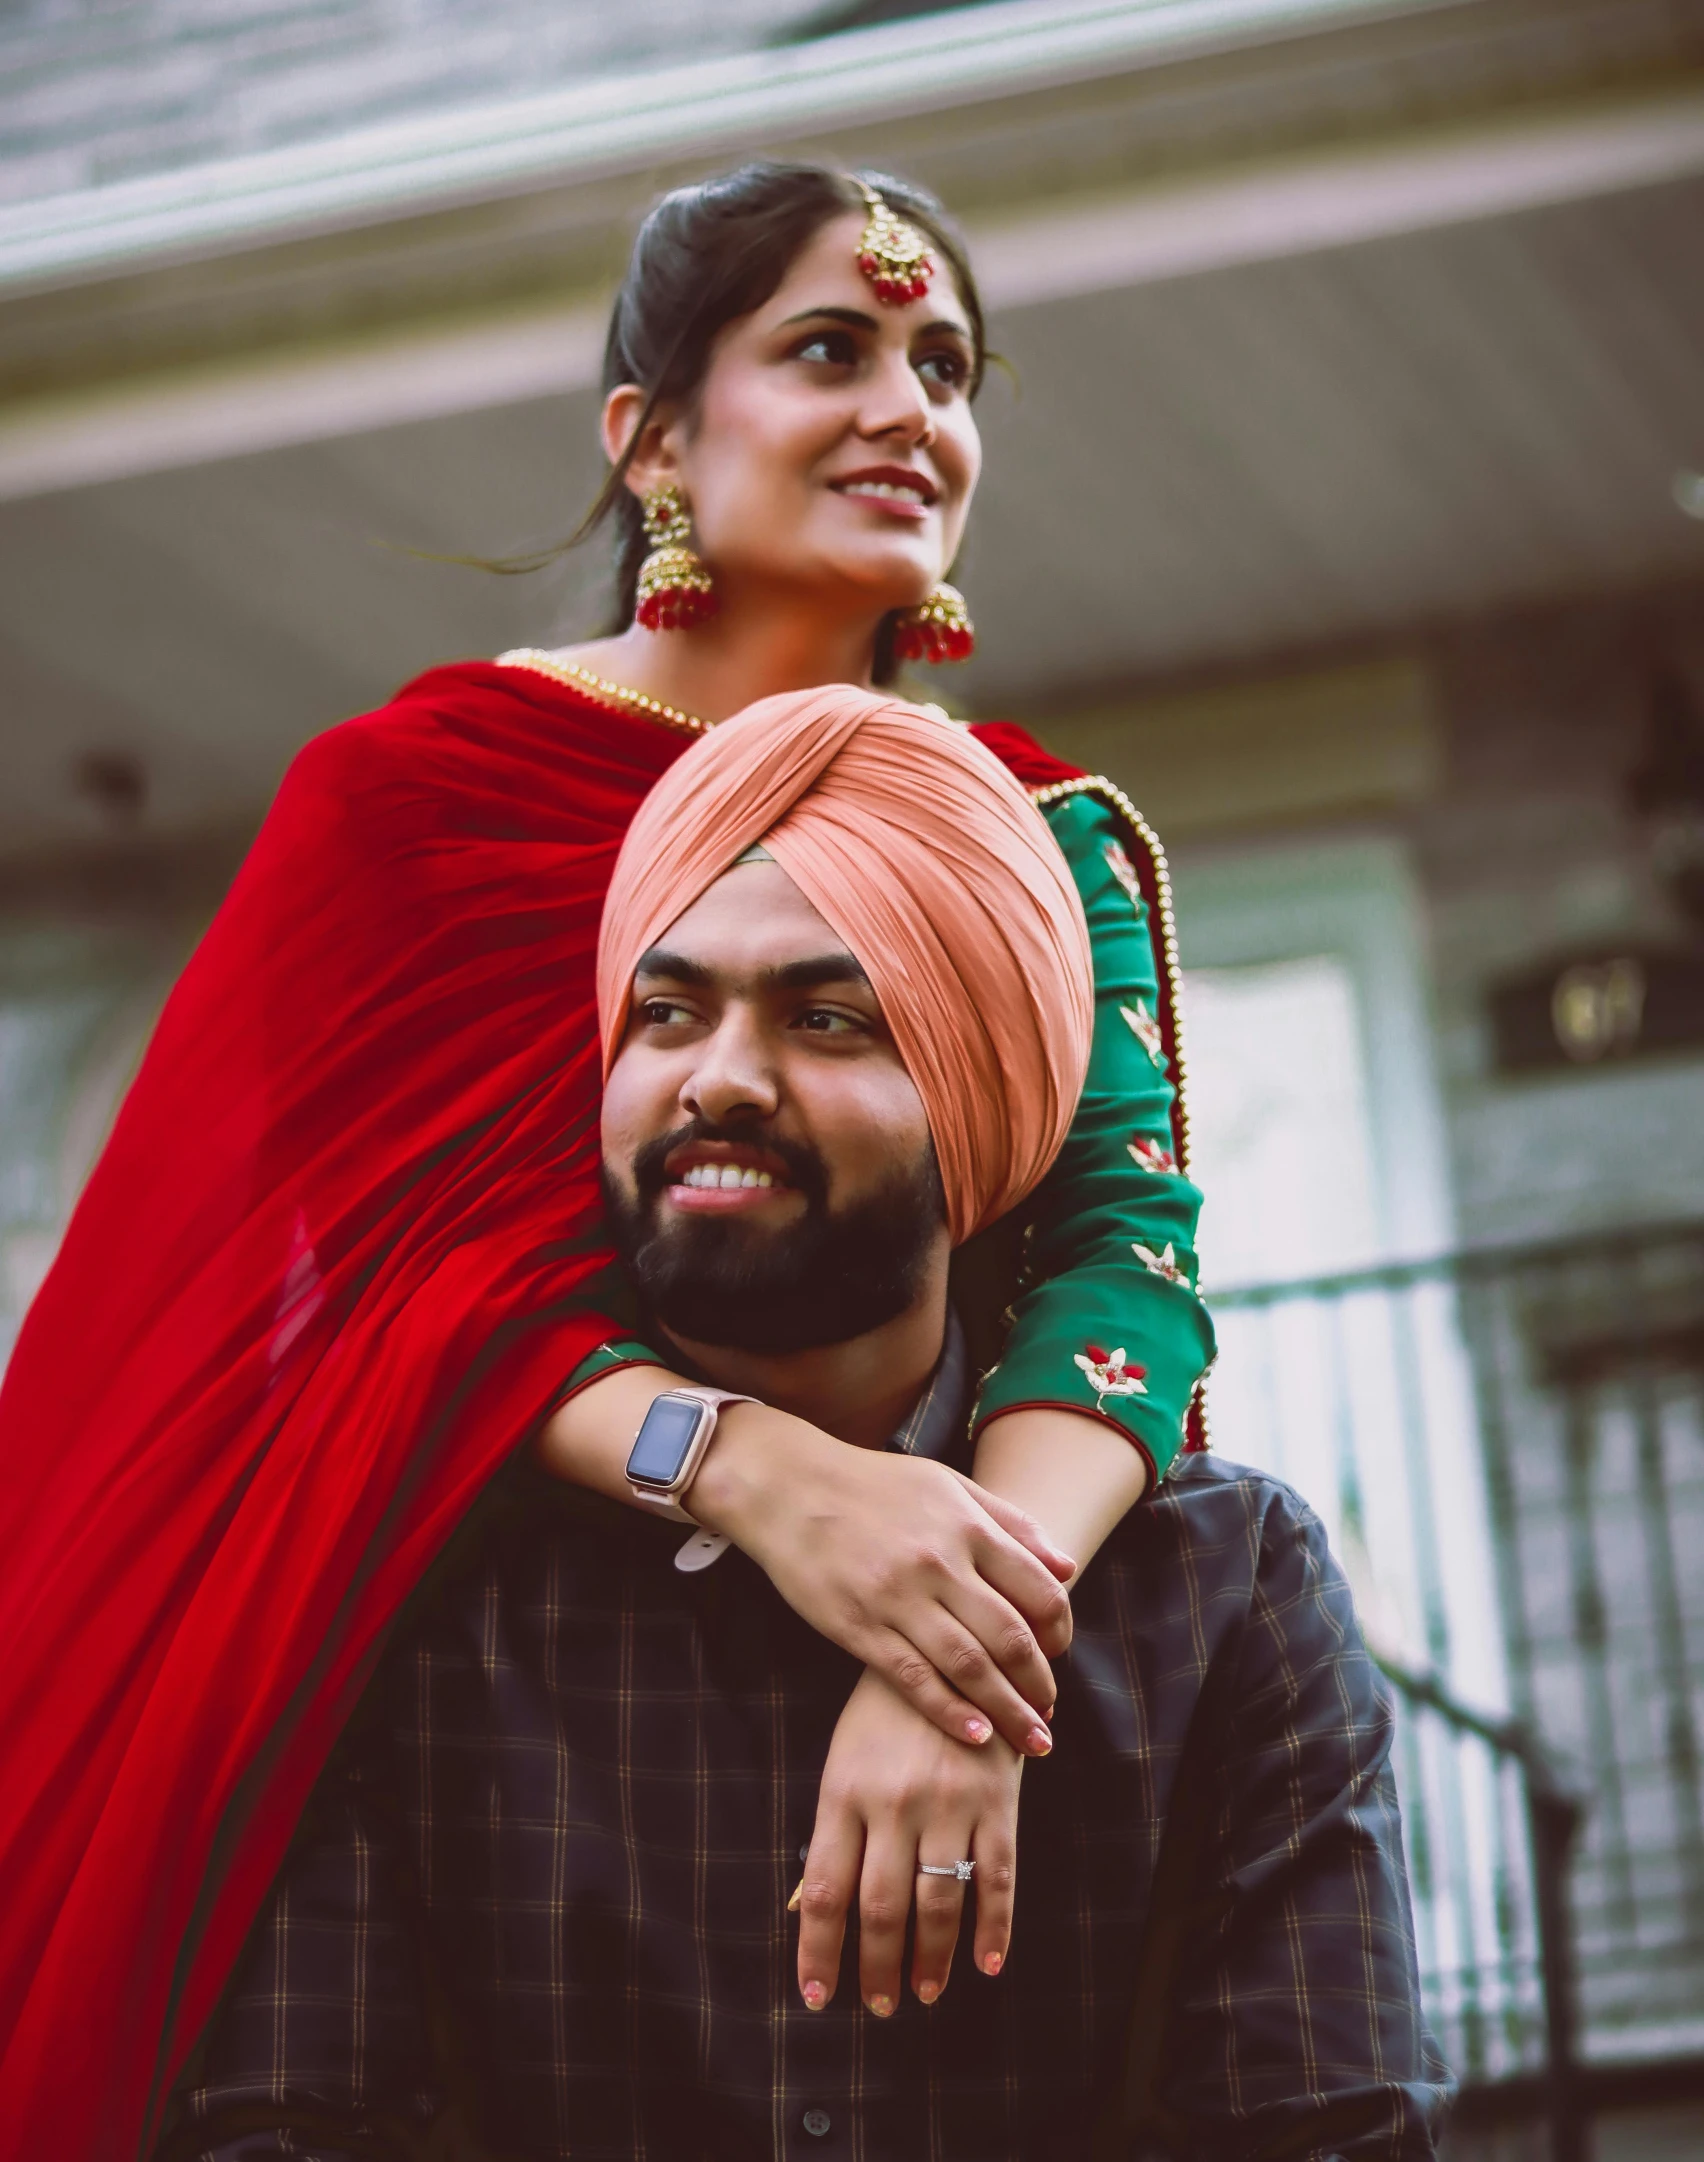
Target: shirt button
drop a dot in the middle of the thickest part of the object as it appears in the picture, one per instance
(818, 2123)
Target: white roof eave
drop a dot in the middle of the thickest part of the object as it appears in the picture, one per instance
(1001, 49)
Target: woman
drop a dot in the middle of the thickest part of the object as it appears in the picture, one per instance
(344, 1249)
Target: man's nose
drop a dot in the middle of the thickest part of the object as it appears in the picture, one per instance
(733, 1075)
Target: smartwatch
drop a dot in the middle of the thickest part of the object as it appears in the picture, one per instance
(670, 1445)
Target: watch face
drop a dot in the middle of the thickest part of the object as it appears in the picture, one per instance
(664, 1440)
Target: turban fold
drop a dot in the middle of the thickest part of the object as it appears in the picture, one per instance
(922, 852)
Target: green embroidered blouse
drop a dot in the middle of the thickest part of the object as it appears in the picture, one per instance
(1107, 1316)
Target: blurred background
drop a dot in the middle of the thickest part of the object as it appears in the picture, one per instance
(1347, 508)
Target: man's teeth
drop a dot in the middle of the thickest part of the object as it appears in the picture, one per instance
(726, 1175)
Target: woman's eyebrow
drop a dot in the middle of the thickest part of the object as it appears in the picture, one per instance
(856, 319)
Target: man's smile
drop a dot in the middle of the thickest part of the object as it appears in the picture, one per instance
(723, 1178)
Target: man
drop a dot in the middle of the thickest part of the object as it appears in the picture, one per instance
(539, 1902)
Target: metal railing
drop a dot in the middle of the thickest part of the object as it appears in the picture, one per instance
(1508, 1446)
(1536, 1974)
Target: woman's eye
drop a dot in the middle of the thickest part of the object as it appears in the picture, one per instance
(838, 348)
(951, 370)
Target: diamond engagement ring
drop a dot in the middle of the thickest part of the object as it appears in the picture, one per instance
(964, 1871)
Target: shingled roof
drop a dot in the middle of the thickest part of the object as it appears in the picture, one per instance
(96, 93)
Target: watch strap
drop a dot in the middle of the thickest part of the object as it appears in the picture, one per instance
(665, 1501)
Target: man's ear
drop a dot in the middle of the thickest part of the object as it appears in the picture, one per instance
(654, 463)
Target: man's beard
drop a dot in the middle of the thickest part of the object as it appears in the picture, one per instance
(824, 1279)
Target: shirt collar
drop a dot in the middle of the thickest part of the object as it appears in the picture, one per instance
(938, 1423)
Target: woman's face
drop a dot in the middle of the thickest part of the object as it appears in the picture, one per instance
(832, 446)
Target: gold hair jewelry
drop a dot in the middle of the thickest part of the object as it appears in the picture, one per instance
(893, 254)
(676, 589)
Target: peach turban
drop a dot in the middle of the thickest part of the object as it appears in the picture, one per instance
(926, 857)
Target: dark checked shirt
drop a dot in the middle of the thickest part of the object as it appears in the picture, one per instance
(537, 1906)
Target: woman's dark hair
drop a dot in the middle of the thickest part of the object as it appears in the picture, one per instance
(706, 256)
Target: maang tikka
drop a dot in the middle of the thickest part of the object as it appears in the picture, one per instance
(676, 589)
(893, 254)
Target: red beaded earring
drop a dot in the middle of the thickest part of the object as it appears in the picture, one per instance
(937, 629)
(676, 589)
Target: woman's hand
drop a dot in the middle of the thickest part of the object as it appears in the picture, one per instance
(954, 1596)
(952, 1593)
(895, 1792)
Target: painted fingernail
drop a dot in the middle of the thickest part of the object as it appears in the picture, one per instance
(1038, 1742)
(881, 2006)
(992, 1963)
(815, 1996)
(977, 1731)
(797, 1899)
(927, 1992)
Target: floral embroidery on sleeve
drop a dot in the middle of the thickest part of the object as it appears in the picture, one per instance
(1151, 1155)
(1108, 1375)
(1121, 867)
(1146, 1030)
(1165, 1264)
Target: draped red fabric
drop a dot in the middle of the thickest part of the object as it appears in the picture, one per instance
(341, 1248)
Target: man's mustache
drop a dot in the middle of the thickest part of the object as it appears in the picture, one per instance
(803, 1166)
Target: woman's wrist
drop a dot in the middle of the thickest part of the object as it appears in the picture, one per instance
(754, 1458)
(741, 1488)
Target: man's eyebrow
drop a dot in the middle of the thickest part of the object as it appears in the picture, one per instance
(805, 975)
(675, 967)
(821, 969)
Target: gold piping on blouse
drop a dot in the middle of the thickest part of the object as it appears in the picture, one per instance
(1098, 785)
(601, 689)
(1197, 1433)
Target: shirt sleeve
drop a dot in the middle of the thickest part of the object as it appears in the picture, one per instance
(1109, 1320)
(1293, 2022)
(320, 2045)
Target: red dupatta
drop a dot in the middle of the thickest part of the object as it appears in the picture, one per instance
(341, 1247)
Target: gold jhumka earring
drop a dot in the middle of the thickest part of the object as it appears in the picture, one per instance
(937, 629)
(676, 589)
(895, 256)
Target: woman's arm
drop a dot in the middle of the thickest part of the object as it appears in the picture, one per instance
(1072, 1430)
(1075, 1476)
(1108, 1342)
